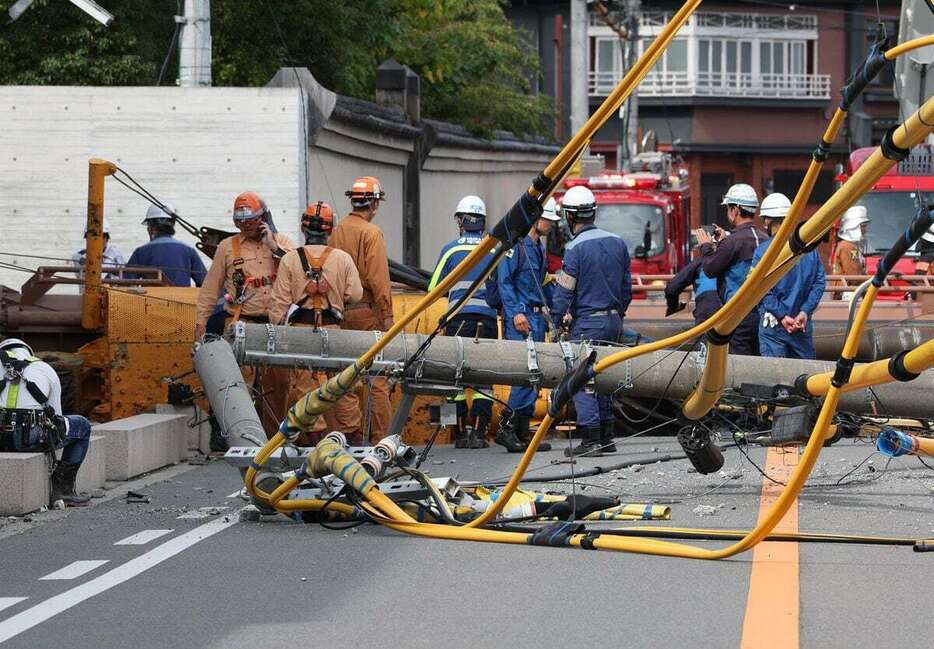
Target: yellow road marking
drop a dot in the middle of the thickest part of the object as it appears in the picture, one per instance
(773, 606)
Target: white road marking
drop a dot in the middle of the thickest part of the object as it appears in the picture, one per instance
(54, 605)
(203, 512)
(235, 494)
(144, 537)
(7, 602)
(73, 570)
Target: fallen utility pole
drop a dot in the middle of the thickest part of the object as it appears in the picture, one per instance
(470, 361)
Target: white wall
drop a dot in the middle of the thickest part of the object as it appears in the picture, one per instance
(194, 147)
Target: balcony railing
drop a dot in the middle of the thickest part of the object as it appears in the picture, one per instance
(710, 20)
(719, 84)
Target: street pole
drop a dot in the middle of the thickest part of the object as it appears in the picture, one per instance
(633, 15)
(579, 97)
(194, 52)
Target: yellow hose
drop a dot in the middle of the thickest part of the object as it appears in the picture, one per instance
(894, 52)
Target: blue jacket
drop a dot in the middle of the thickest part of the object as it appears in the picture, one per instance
(799, 290)
(451, 255)
(520, 276)
(179, 262)
(594, 275)
(732, 257)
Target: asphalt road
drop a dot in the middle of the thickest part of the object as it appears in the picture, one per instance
(189, 574)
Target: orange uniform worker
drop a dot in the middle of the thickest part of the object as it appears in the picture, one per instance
(244, 269)
(357, 236)
(318, 280)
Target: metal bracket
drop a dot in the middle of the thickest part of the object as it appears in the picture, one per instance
(379, 336)
(461, 362)
(567, 353)
(535, 374)
(626, 383)
(270, 339)
(324, 341)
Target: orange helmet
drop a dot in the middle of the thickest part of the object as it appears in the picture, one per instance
(365, 189)
(248, 206)
(318, 217)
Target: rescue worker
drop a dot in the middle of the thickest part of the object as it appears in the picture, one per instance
(243, 270)
(180, 263)
(785, 328)
(364, 242)
(728, 260)
(848, 253)
(111, 256)
(31, 418)
(704, 291)
(593, 289)
(476, 319)
(318, 280)
(519, 279)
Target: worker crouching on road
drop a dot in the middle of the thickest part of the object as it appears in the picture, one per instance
(519, 279)
(728, 260)
(364, 242)
(785, 328)
(476, 319)
(31, 418)
(243, 270)
(593, 289)
(318, 280)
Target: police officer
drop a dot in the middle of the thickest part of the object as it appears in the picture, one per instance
(476, 319)
(31, 417)
(785, 329)
(313, 283)
(593, 288)
(519, 279)
(728, 260)
(359, 237)
(180, 263)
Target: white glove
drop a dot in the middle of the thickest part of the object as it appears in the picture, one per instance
(769, 321)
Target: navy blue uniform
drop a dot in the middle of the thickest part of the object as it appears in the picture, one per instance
(180, 263)
(595, 287)
(729, 264)
(706, 296)
(475, 319)
(519, 277)
(799, 290)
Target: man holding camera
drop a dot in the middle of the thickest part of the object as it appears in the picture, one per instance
(727, 259)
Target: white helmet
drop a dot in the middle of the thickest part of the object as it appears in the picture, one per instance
(156, 213)
(550, 212)
(471, 213)
(12, 343)
(775, 206)
(579, 203)
(743, 195)
(849, 224)
(929, 235)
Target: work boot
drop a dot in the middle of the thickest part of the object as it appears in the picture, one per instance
(524, 435)
(461, 438)
(63, 485)
(590, 443)
(475, 439)
(506, 435)
(607, 430)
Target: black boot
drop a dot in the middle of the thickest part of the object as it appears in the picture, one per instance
(63, 485)
(506, 435)
(590, 443)
(525, 435)
(607, 432)
(476, 437)
(460, 437)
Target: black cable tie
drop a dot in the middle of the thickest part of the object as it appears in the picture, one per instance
(841, 375)
(571, 384)
(518, 220)
(898, 370)
(801, 385)
(718, 339)
(556, 535)
(588, 539)
(890, 150)
(822, 151)
(873, 64)
(798, 245)
(541, 183)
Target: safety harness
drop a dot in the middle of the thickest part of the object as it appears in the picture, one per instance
(241, 280)
(16, 424)
(317, 287)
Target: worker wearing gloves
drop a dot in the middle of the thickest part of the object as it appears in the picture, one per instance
(181, 264)
(312, 285)
(476, 319)
(364, 242)
(519, 278)
(243, 270)
(785, 329)
(728, 259)
(593, 289)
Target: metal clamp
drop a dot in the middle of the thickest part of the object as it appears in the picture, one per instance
(567, 353)
(270, 339)
(324, 341)
(461, 362)
(535, 374)
(626, 383)
(379, 336)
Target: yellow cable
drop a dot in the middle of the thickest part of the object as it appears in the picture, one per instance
(908, 46)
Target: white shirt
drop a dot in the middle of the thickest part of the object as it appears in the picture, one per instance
(45, 378)
(111, 257)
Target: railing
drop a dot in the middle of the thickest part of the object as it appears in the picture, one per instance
(898, 285)
(719, 84)
(723, 21)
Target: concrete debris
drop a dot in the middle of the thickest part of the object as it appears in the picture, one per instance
(707, 510)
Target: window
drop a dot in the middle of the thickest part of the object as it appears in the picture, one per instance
(724, 62)
(674, 59)
(608, 60)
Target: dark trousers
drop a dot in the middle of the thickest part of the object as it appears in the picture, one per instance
(473, 326)
(745, 340)
(592, 408)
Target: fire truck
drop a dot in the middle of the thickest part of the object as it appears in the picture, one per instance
(649, 207)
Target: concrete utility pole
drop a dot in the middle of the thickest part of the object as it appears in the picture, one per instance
(506, 362)
(580, 107)
(194, 52)
(633, 16)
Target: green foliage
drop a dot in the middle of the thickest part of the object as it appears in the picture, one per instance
(476, 68)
